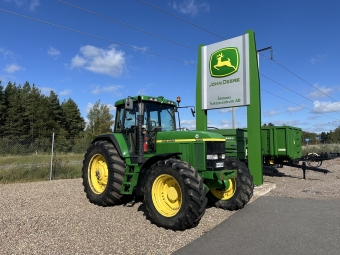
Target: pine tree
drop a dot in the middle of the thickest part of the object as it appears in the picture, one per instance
(72, 120)
(14, 126)
(3, 106)
(55, 118)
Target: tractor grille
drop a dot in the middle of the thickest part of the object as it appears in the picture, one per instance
(215, 148)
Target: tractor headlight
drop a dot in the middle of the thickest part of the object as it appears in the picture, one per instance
(213, 156)
(216, 156)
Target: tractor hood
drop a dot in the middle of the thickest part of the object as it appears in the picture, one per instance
(188, 136)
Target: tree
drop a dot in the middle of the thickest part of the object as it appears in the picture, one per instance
(14, 126)
(268, 125)
(2, 108)
(100, 120)
(73, 123)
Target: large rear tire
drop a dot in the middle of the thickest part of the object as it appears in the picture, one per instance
(103, 173)
(240, 189)
(174, 195)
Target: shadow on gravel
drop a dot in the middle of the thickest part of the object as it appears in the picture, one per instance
(274, 172)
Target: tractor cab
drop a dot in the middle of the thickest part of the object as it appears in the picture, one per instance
(140, 118)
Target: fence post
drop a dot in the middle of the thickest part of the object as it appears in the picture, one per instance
(52, 156)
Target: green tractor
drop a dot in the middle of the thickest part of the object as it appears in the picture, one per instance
(176, 173)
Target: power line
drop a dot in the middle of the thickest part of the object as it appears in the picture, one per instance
(97, 37)
(297, 104)
(127, 25)
(156, 54)
(299, 77)
(206, 30)
(294, 91)
(271, 58)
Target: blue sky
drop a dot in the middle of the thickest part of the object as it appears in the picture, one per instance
(106, 56)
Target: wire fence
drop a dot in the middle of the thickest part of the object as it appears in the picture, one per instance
(31, 159)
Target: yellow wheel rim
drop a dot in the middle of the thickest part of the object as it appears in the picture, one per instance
(227, 193)
(166, 195)
(98, 174)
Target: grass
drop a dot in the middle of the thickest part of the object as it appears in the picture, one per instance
(16, 169)
(319, 148)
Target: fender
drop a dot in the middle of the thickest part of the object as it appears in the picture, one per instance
(150, 161)
(110, 138)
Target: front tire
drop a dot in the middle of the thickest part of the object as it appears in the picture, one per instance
(240, 189)
(103, 173)
(174, 195)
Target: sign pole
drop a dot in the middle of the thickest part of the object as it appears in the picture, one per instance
(201, 115)
(254, 116)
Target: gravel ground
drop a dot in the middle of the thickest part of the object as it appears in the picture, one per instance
(54, 217)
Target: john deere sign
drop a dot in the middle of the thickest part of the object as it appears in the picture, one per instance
(225, 73)
(224, 62)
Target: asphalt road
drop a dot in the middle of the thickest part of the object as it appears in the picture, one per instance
(275, 225)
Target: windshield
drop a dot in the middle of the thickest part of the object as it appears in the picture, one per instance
(159, 115)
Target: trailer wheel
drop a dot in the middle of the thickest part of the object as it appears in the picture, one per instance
(240, 189)
(103, 172)
(174, 195)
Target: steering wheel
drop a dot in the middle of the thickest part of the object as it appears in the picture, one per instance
(150, 123)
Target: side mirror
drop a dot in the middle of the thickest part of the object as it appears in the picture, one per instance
(192, 112)
(128, 103)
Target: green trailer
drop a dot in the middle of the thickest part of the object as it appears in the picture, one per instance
(236, 142)
(280, 144)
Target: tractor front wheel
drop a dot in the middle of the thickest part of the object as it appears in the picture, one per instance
(103, 173)
(240, 189)
(174, 195)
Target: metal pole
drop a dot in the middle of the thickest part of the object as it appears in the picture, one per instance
(233, 117)
(52, 156)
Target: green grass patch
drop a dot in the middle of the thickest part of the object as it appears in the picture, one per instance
(319, 148)
(15, 169)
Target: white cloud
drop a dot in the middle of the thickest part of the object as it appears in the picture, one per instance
(53, 52)
(109, 62)
(108, 89)
(317, 58)
(189, 124)
(140, 49)
(65, 92)
(225, 124)
(111, 107)
(46, 90)
(320, 91)
(190, 7)
(89, 107)
(294, 123)
(322, 107)
(12, 68)
(142, 91)
(230, 109)
(270, 113)
(294, 109)
(32, 4)
(6, 53)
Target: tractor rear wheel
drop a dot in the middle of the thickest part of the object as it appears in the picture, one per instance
(103, 172)
(174, 195)
(240, 189)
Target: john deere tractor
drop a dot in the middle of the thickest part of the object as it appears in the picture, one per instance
(176, 173)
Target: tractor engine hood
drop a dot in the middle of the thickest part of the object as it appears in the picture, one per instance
(189, 136)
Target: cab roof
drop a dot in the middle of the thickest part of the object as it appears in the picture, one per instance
(159, 99)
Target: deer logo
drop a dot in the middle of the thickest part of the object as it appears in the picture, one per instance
(223, 63)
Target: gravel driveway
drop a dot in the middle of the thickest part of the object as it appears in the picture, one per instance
(54, 217)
